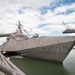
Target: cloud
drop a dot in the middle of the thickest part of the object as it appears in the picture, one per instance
(64, 8)
(29, 13)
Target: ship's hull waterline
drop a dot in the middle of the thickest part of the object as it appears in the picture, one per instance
(46, 48)
(53, 53)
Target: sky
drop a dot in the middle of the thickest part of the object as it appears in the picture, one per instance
(37, 16)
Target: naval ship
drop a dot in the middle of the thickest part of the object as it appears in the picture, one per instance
(50, 48)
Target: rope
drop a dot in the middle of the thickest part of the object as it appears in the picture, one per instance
(9, 67)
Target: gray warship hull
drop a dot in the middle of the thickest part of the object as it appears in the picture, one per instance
(53, 53)
(51, 48)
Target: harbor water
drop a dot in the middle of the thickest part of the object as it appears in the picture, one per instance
(38, 67)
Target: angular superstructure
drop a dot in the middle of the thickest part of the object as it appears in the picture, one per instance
(51, 48)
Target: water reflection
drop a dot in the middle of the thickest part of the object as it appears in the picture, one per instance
(69, 63)
(37, 67)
